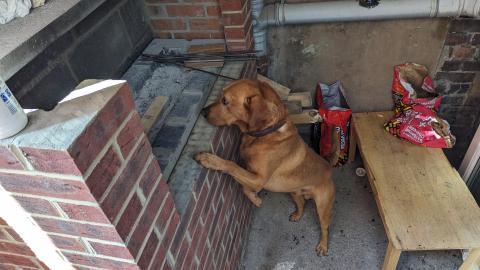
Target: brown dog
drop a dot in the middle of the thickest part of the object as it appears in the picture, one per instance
(276, 157)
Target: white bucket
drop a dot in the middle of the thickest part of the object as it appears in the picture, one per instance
(12, 117)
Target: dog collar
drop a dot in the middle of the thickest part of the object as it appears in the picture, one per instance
(268, 130)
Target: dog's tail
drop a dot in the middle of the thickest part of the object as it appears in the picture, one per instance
(335, 152)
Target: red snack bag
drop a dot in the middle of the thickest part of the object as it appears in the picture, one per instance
(336, 114)
(416, 104)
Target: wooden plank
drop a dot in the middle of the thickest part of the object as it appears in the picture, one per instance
(473, 260)
(304, 97)
(306, 117)
(153, 112)
(391, 258)
(423, 202)
(207, 48)
(281, 90)
(204, 63)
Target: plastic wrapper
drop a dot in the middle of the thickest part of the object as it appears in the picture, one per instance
(416, 106)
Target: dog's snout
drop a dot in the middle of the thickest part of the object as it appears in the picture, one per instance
(205, 111)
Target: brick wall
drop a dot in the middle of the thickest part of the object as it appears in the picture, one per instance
(101, 46)
(458, 79)
(203, 19)
(97, 193)
(14, 253)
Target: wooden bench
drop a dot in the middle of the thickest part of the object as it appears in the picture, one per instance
(423, 201)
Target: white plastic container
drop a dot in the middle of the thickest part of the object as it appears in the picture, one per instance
(12, 117)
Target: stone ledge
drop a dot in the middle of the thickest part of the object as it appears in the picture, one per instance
(24, 38)
(58, 129)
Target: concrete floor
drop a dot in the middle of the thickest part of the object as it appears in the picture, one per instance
(357, 237)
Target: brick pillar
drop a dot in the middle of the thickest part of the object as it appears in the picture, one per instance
(85, 177)
(194, 19)
(458, 79)
(237, 21)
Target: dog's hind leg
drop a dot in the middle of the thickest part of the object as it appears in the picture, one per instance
(300, 204)
(324, 198)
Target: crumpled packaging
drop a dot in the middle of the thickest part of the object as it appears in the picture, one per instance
(416, 106)
(10, 9)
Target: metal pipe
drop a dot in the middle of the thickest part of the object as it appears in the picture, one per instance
(342, 11)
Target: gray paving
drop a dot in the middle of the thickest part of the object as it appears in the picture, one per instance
(357, 237)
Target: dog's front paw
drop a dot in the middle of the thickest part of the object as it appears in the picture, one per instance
(209, 161)
(295, 216)
(321, 249)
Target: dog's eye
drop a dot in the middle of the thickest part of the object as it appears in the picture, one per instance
(224, 101)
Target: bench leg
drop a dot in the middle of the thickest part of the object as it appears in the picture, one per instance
(472, 261)
(391, 258)
(352, 148)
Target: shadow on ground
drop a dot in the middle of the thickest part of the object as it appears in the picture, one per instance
(357, 236)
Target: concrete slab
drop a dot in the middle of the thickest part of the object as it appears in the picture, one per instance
(24, 38)
(357, 237)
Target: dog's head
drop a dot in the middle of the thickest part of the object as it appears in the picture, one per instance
(250, 104)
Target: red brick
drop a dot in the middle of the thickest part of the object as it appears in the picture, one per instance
(231, 5)
(146, 220)
(14, 234)
(103, 173)
(4, 235)
(37, 206)
(8, 160)
(188, 258)
(17, 260)
(79, 229)
(161, 34)
(89, 144)
(51, 161)
(168, 24)
(43, 186)
(172, 228)
(8, 267)
(163, 217)
(130, 134)
(463, 52)
(185, 11)
(159, 257)
(83, 212)
(2, 222)
(68, 243)
(235, 33)
(150, 177)
(234, 18)
(148, 251)
(99, 262)
(206, 24)
(199, 35)
(124, 184)
(182, 252)
(129, 217)
(21, 249)
(160, 1)
(111, 250)
(213, 10)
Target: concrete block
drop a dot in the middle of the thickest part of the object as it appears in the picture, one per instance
(102, 52)
(26, 78)
(92, 20)
(52, 88)
(133, 14)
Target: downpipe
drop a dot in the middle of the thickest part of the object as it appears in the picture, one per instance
(279, 14)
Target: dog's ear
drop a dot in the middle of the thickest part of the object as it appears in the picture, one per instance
(270, 95)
